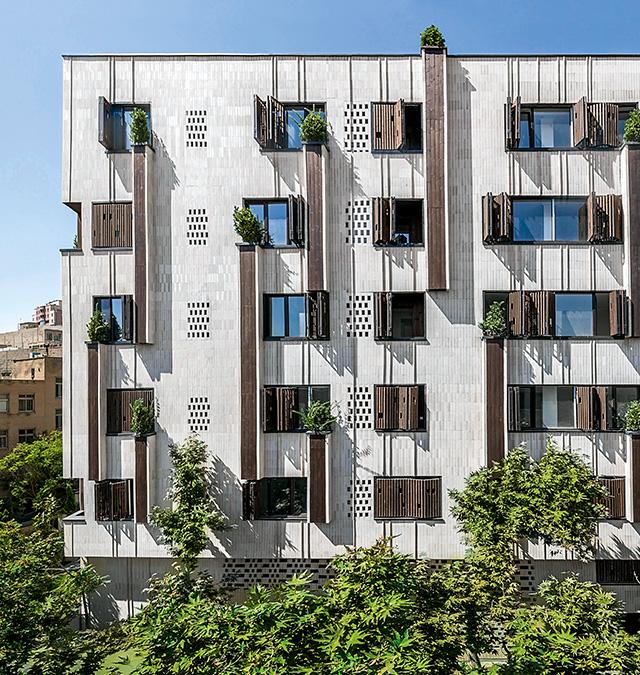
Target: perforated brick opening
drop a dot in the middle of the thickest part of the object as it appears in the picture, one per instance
(359, 503)
(196, 128)
(359, 319)
(198, 320)
(358, 221)
(246, 573)
(199, 414)
(360, 407)
(357, 123)
(197, 227)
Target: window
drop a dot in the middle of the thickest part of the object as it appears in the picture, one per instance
(297, 316)
(549, 220)
(623, 115)
(277, 125)
(119, 408)
(275, 498)
(4, 439)
(114, 122)
(58, 420)
(399, 316)
(280, 403)
(620, 398)
(58, 387)
(283, 219)
(618, 572)
(26, 403)
(4, 403)
(396, 127)
(114, 500)
(294, 116)
(400, 408)
(408, 498)
(545, 128)
(541, 407)
(614, 502)
(26, 435)
(397, 222)
(117, 311)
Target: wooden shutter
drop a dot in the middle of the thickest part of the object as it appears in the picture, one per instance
(381, 218)
(269, 409)
(488, 229)
(496, 218)
(614, 502)
(249, 500)
(600, 397)
(119, 407)
(386, 408)
(287, 404)
(384, 126)
(296, 220)
(607, 215)
(542, 313)
(584, 409)
(398, 124)
(105, 123)
(121, 500)
(513, 409)
(277, 123)
(317, 318)
(512, 123)
(383, 315)
(415, 498)
(581, 135)
(127, 318)
(617, 313)
(102, 493)
(516, 308)
(603, 118)
(587, 213)
(111, 225)
(408, 408)
(260, 122)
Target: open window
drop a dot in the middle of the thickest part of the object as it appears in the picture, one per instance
(280, 405)
(399, 316)
(117, 312)
(274, 499)
(284, 219)
(119, 411)
(114, 123)
(396, 127)
(397, 222)
(297, 316)
(111, 225)
(537, 408)
(400, 408)
(407, 498)
(114, 500)
(277, 125)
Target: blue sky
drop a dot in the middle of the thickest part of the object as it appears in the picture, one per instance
(34, 34)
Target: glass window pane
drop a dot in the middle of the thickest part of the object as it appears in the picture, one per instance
(623, 396)
(552, 128)
(525, 408)
(116, 319)
(276, 329)
(567, 212)
(278, 223)
(299, 506)
(532, 220)
(525, 139)
(294, 120)
(280, 502)
(296, 325)
(566, 408)
(574, 314)
(258, 211)
(320, 394)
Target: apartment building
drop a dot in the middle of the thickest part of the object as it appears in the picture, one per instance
(49, 314)
(32, 335)
(448, 183)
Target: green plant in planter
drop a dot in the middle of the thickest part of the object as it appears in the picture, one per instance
(314, 128)
(632, 127)
(139, 129)
(142, 417)
(495, 321)
(432, 37)
(632, 417)
(97, 328)
(317, 417)
(248, 227)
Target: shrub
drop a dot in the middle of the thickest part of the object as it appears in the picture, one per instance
(139, 130)
(632, 416)
(248, 227)
(318, 417)
(632, 127)
(97, 328)
(432, 37)
(142, 417)
(495, 320)
(314, 128)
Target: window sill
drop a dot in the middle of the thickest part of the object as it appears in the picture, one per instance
(394, 339)
(121, 520)
(286, 247)
(566, 338)
(421, 430)
(111, 249)
(294, 519)
(401, 247)
(295, 339)
(268, 150)
(405, 519)
(397, 152)
(77, 517)
(549, 244)
(568, 149)
(564, 430)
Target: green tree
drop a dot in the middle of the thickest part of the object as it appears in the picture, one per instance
(97, 328)
(139, 129)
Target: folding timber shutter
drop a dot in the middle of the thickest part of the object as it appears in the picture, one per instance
(249, 500)
(381, 218)
(317, 308)
(581, 135)
(607, 214)
(488, 228)
(416, 498)
(384, 128)
(398, 124)
(542, 313)
(386, 408)
(600, 397)
(513, 409)
(503, 224)
(105, 123)
(512, 122)
(102, 493)
(516, 309)
(604, 120)
(287, 404)
(617, 313)
(428, 504)
(111, 225)
(584, 409)
(587, 213)
(114, 411)
(121, 499)
(269, 409)
(383, 315)
(614, 502)
(296, 220)
(127, 318)
(260, 122)
(277, 123)
(408, 414)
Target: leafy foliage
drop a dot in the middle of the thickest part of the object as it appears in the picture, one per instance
(317, 417)
(142, 417)
(432, 37)
(139, 129)
(97, 328)
(314, 127)
(495, 321)
(554, 499)
(632, 127)
(632, 416)
(248, 227)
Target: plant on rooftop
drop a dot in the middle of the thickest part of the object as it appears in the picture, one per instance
(248, 227)
(317, 417)
(97, 328)
(314, 127)
(432, 37)
(142, 417)
(139, 130)
(495, 321)
(632, 127)
(632, 417)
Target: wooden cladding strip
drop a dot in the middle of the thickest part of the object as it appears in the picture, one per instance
(512, 122)
(315, 217)
(119, 407)
(397, 408)
(317, 315)
(381, 219)
(633, 234)
(318, 479)
(615, 500)
(142, 488)
(416, 498)
(113, 500)
(494, 400)
(93, 411)
(140, 225)
(635, 479)
(497, 220)
(111, 225)
(383, 315)
(388, 127)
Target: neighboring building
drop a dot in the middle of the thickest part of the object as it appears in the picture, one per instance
(30, 397)
(31, 335)
(448, 183)
(49, 314)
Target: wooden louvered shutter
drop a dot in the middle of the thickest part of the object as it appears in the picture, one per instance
(102, 494)
(503, 225)
(398, 125)
(584, 409)
(381, 218)
(604, 119)
(513, 408)
(250, 500)
(600, 409)
(105, 123)
(386, 408)
(382, 115)
(311, 316)
(587, 214)
(296, 220)
(516, 320)
(114, 411)
(429, 498)
(260, 122)
(287, 404)
(581, 134)
(269, 409)
(512, 123)
(121, 500)
(408, 410)
(614, 502)
(277, 123)
(488, 229)
(607, 212)
(383, 315)
(617, 313)
(317, 315)
(127, 318)
(542, 312)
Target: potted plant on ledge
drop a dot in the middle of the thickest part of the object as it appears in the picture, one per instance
(139, 129)
(97, 328)
(142, 418)
(314, 128)
(632, 419)
(632, 128)
(317, 418)
(494, 325)
(432, 37)
(249, 228)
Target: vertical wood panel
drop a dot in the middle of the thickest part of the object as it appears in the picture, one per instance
(315, 273)
(93, 440)
(141, 486)
(317, 479)
(140, 240)
(111, 225)
(633, 218)
(635, 479)
(494, 401)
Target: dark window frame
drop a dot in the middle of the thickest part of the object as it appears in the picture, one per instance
(27, 435)
(309, 387)
(129, 106)
(123, 298)
(267, 317)
(58, 390)
(257, 201)
(394, 228)
(530, 110)
(553, 199)
(260, 515)
(4, 436)
(27, 398)
(422, 408)
(308, 106)
(402, 150)
(395, 338)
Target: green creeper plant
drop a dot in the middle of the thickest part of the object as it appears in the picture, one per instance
(139, 128)
(142, 417)
(317, 417)
(432, 37)
(248, 227)
(314, 127)
(632, 127)
(632, 416)
(97, 328)
(495, 321)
